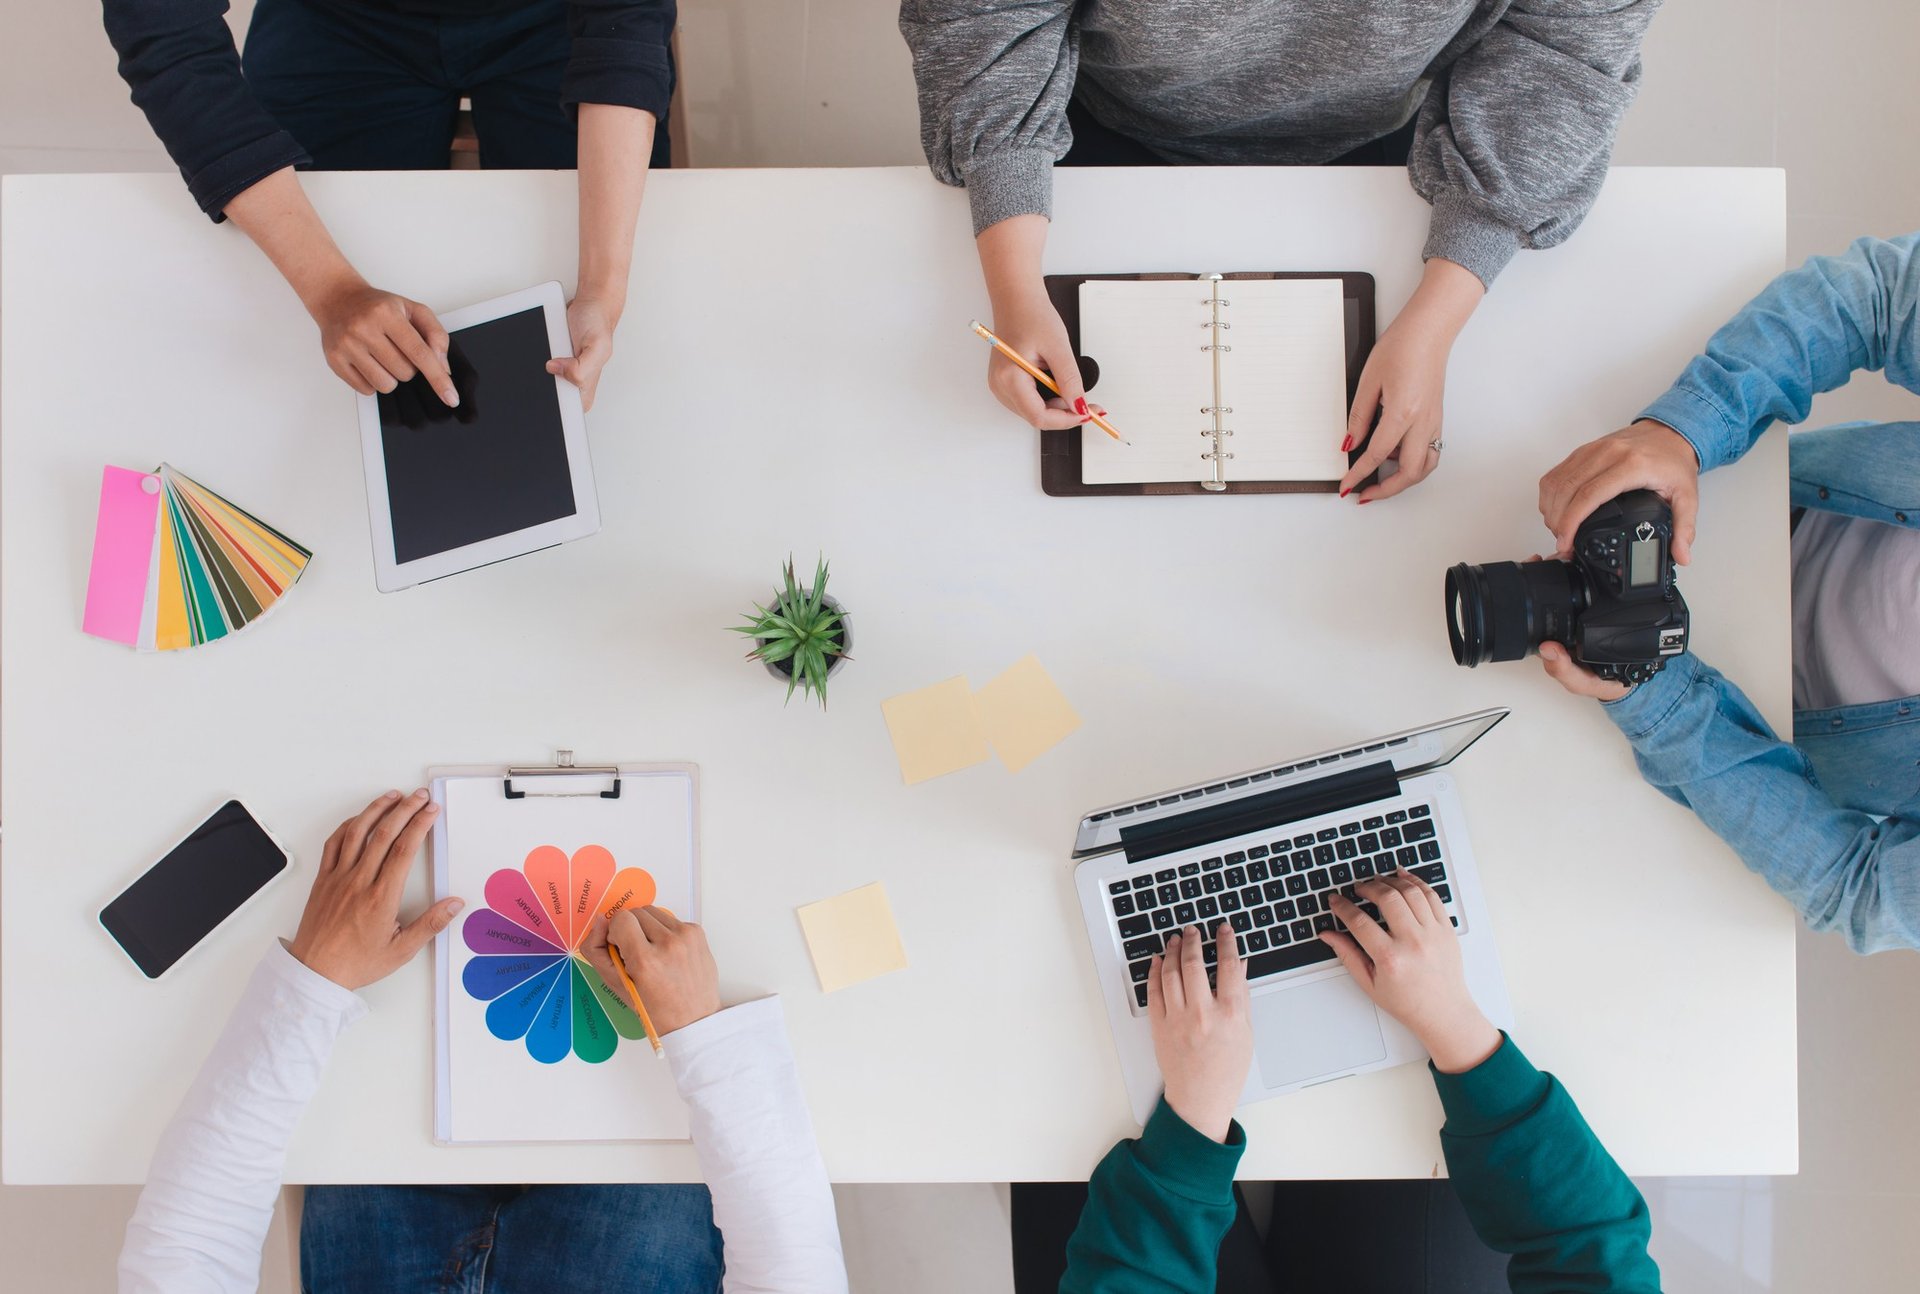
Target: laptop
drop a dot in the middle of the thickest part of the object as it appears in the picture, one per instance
(1262, 851)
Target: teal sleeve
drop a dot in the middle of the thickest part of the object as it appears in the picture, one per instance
(1807, 332)
(1538, 1184)
(1157, 1209)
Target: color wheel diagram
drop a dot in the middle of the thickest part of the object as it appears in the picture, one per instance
(528, 967)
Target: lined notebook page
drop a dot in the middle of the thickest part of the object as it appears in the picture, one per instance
(1285, 379)
(1146, 336)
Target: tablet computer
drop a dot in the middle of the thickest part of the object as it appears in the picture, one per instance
(505, 473)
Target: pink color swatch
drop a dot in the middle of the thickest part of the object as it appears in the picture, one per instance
(122, 554)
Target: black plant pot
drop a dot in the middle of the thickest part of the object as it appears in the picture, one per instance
(783, 670)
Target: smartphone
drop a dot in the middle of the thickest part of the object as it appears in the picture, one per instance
(190, 892)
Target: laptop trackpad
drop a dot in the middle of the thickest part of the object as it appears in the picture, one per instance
(1313, 1031)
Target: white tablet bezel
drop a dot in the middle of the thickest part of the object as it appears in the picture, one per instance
(390, 575)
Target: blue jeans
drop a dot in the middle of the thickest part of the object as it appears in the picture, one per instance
(508, 1240)
(366, 87)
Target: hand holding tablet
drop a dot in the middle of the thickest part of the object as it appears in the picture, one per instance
(504, 472)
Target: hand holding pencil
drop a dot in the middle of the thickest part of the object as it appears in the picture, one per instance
(1069, 408)
(658, 965)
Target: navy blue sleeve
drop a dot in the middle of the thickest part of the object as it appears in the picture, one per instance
(178, 58)
(620, 54)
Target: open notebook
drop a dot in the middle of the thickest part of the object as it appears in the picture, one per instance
(1216, 381)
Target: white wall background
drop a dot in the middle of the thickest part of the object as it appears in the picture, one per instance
(1825, 90)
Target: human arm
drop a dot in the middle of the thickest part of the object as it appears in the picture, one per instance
(734, 1068)
(1159, 1205)
(1700, 742)
(203, 1214)
(1534, 1180)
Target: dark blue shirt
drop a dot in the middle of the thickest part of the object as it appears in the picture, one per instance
(179, 59)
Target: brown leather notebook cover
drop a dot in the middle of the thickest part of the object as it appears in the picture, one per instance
(1060, 450)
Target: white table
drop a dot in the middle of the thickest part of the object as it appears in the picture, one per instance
(794, 375)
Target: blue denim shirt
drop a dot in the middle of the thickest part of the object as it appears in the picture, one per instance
(1832, 821)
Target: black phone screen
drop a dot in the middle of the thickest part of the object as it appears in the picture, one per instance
(181, 898)
(497, 462)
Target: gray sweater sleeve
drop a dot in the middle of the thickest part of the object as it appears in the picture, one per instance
(994, 79)
(1512, 144)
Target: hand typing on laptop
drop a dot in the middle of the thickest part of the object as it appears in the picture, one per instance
(1203, 1039)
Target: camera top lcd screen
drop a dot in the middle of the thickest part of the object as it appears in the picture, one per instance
(1643, 562)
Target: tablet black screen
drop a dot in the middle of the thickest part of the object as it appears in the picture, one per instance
(496, 464)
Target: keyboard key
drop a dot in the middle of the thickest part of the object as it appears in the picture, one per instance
(1134, 927)
(1285, 910)
(1144, 881)
(1301, 858)
(1349, 828)
(1372, 910)
(1406, 855)
(1347, 849)
(1429, 851)
(1256, 942)
(1297, 884)
(1230, 901)
(1373, 824)
(1118, 887)
(1274, 961)
(1341, 874)
(1213, 883)
(1322, 922)
(1301, 842)
(1362, 868)
(1279, 937)
(1421, 810)
(1383, 863)
(1370, 843)
(1323, 855)
(1213, 864)
(1236, 877)
(1189, 869)
(1257, 871)
(1208, 908)
(1139, 948)
(1398, 815)
(1327, 833)
(1446, 895)
(1390, 838)
(1301, 929)
(1140, 994)
(1162, 876)
(1190, 888)
(1241, 922)
(1123, 905)
(1319, 879)
(1278, 889)
(1210, 955)
(1419, 830)
(1236, 857)
(1145, 899)
(1168, 893)
(1309, 905)
(1263, 915)
(1258, 851)
(1163, 919)
(1250, 896)
(1185, 915)
(1432, 873)
(1137, 971)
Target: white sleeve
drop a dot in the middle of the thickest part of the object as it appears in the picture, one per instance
(203, 1216)
(771, 1199)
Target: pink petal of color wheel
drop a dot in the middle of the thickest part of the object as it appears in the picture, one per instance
(509, 894)
(546, 870)
(551, 1037)
(592, 869)
(486, 931)
(487, 978)
(631, 888)
(513, 1012)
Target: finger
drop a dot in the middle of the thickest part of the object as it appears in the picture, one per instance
(1686, 507)
(1156, 1000)
(1404, 884)
(1060, 362)
(1366, 403)
(1394, 912)
(387, 355)
(347, 373)
(1416, 463)
(420, 353)
(414, 935)
(1173, 989)
(1365, 930)
(428, 326)
(374, 375)
(353, 832)
(330, 852)
(1580, 504)
(382, 835)
(665, 917)
(1193, 967)
(1358, 964)
(625, 933)
(1434, 904)
(656, 930)
(1232, 969)
(1564, 670)
(403, 853)
(1390, 434)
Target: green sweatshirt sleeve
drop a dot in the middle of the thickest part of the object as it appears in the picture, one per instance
(1538, 1184)
(1157, 1209)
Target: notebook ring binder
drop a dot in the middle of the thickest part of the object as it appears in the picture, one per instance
(1217, 325)
(562, 766)
(1216, 347)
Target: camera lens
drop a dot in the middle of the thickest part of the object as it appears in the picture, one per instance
(1503, 610)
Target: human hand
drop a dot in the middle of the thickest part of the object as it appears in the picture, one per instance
(375, 340)
(1647, 455)
(1033, 328)
(1404, 383)
(590, 322)
(351, 931)
(669, 962)
(1202, 1039)
(1410, 966)
(1564, 670)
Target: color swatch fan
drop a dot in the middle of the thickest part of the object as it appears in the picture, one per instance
(175, 565)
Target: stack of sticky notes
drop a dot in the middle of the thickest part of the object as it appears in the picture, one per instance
(175, 565)
(937, 730)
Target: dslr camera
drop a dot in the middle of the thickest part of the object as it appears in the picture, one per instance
(1614, 606)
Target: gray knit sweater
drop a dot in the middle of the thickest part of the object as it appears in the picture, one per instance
(1518, 100)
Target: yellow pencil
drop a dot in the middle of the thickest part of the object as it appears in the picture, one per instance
(639, 1007)
(1038, 376)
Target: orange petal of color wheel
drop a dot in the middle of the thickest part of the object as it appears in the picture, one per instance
(546, 870)
(592, 870)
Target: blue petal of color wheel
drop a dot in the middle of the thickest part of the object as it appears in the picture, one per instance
(488, 977)
(551, 1037)
(512, 1012)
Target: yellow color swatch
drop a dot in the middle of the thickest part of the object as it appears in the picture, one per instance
(935, 730)
(1023, 713)
(852, 937)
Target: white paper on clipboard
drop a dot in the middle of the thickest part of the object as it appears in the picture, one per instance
(492, 1089)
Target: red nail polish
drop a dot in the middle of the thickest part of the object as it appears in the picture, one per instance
(1080, 405)
(1347, 444)
(1364, 502)
(1344, 493)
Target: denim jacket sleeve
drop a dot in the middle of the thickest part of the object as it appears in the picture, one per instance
(1699, 740)
(1807, 332)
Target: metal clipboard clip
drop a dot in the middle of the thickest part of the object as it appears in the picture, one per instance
(562, 766)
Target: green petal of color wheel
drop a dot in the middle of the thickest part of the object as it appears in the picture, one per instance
(625, 1022)
(593, 1035)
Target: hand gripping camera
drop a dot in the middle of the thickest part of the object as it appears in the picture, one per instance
(1614, 605)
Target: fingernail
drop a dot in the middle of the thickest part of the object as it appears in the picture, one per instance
(452, 397)
(456, 905)
(1344, 493)
(1347, 444)
(1364, 502)
(1087, 419)
(1080, 405)
(420, 794)
(391, 795)
(431, 809)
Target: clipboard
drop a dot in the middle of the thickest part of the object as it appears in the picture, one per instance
(1060, 450)
(529, 1044)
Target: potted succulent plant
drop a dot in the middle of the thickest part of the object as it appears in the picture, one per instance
(803, 637)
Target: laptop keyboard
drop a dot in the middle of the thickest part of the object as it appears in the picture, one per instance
(1274, 894)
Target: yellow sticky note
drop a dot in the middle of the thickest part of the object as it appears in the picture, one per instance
(1024, 714)
(852, 937)
(935, 730)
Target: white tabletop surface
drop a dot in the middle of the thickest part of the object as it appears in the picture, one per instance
(794, 374)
